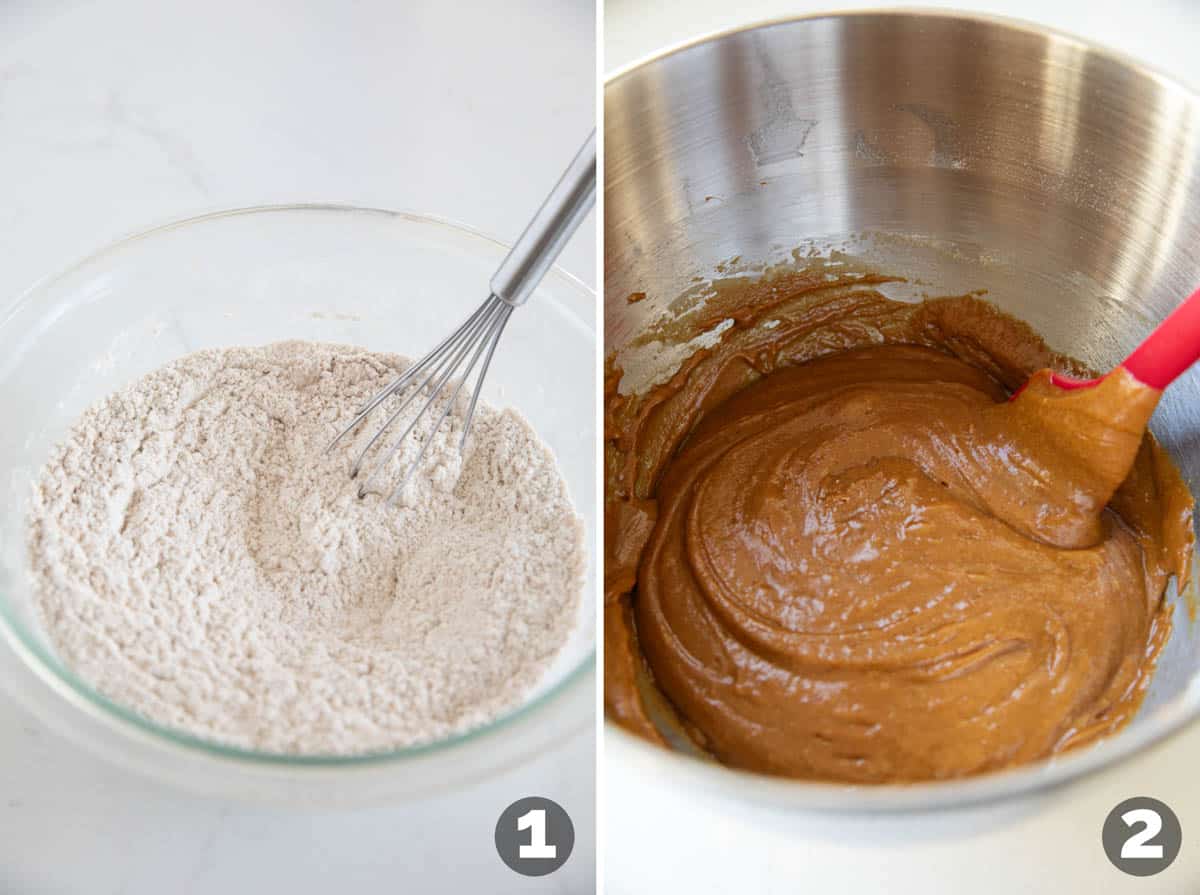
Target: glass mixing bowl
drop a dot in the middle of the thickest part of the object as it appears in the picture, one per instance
(381, 279)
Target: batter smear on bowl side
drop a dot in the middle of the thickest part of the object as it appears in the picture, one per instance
(198, 559)
(843, 554)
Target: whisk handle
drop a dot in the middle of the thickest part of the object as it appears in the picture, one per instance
(553, 225)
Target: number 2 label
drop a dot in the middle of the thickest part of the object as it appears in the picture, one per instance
(535, 822)
(1135, 846)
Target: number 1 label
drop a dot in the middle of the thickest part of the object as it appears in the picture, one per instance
(535, 822)
(534, 836)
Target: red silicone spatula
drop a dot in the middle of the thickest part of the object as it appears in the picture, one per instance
(1163, 355)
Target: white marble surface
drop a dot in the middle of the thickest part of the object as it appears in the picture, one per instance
(119, 115)
(657, 839)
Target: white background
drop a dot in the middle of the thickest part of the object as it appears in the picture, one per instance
(118, 115)
(1048, 844)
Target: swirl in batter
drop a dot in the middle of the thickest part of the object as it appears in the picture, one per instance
(848, 556)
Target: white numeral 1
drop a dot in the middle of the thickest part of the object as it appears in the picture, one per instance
(1135, 846)
(535, 822)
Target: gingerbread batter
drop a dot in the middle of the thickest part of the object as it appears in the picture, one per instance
(847, 556)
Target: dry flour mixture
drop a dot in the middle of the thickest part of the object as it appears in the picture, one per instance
(197, 559)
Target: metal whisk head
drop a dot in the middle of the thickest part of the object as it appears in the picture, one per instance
(432, 374)
(440, 371)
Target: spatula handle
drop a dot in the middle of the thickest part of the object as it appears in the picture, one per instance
(1171, 348)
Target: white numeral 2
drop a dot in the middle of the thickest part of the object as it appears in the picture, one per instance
(535, 822)
(1135, 846)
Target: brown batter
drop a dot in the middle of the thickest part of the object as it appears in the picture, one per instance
(848, 556)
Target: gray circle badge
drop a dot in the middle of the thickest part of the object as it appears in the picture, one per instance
(1141, 836)
(534, 836)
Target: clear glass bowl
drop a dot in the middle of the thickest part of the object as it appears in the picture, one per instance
(381, 279)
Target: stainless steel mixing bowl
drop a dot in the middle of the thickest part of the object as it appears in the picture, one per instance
(961, 152)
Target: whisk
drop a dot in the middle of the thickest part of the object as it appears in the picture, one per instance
(511, 285)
